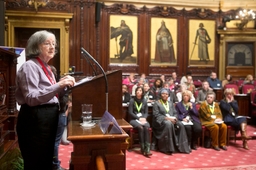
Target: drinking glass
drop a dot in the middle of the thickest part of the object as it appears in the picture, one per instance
(87, 113)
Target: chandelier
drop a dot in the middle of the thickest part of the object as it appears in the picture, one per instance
(244, 16)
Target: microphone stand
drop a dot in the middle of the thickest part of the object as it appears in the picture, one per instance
(94, 71)
(103, 72)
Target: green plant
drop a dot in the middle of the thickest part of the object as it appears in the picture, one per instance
(12, 160)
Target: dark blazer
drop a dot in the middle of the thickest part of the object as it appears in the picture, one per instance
(226, 110)
(133, 109)
(182, 112)
(127, 97)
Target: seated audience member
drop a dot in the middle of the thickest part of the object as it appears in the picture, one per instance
(140, 83)
(138, 111)
(202, 93)
(125, 94)
(162, 77)
(211, 117)
(166, 85)
(190, 86)
(176, 80)
(172, 97)
(213, 81)
(167, 129)
(227, 80)
(248, 79)
(183, 79)
(143, 75)
(129, 80)
(229, 109)
(148, 95)
(158, 85)
(188, 113)
(183, 87)
(171, 84)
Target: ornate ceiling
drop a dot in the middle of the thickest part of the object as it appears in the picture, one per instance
(214, 5)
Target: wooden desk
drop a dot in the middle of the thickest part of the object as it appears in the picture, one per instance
(219, 94)
(91, 142)
(124, 125)
(243, 101)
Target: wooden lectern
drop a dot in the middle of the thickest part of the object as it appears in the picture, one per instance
(90, 143)
(93, 92)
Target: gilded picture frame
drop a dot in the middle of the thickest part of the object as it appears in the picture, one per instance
(123, 45)
(201, 42)
(163, 37)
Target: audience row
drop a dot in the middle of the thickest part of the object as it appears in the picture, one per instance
(177, 127)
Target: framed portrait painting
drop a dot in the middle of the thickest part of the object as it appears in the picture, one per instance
(163, 41)
(123, 44)
(201, 42)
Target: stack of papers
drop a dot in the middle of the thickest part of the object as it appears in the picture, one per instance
(187, 123)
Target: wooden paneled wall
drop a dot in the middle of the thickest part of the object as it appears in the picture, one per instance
(95, 36)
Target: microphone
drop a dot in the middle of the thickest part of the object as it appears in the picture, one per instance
(87, 55)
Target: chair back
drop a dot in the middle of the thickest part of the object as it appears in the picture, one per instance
(247, 88)
(252, 96)
(232, 86)
(239, 82)
(196, 93)
(197, 83)
(198, 106)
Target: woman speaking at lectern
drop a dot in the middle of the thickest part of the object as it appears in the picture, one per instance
(37, 92)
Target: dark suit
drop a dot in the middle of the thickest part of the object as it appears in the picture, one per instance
(229, 119)
(126, 97)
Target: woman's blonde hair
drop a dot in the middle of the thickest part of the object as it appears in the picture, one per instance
(229, 91)
(187, 92)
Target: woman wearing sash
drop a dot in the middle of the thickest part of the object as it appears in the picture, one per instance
(37, 92)
(138, 111)
(167, 129)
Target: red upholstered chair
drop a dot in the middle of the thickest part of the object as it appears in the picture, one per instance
(197, 83)
(231, 131)
(232, 86)
(134, 132)
(130, 88)
(252, 104)
(239, 82)
(196, 93)
(247, 88)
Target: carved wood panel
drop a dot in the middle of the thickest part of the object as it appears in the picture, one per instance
(94, 36)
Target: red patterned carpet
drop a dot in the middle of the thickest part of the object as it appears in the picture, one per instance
(236, 158)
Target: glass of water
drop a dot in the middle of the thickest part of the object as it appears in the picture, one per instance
(87, 113)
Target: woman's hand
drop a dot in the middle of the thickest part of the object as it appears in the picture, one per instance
(185, 120)
(229, 98)
(190, 105)
(143, 120)
(173, 120)
(67, 81)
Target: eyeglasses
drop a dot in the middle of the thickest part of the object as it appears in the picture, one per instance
(49, 44)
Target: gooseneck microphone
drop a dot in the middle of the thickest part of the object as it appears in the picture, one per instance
(87, 55)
